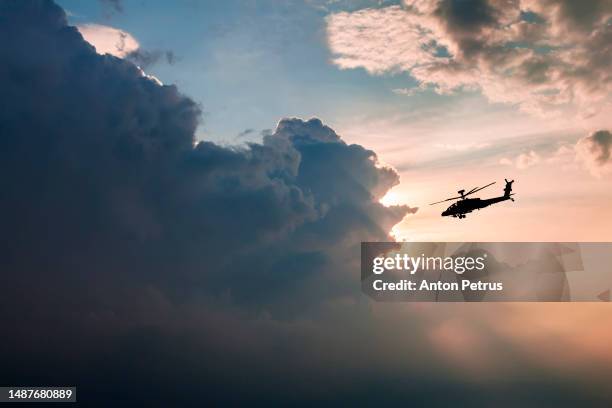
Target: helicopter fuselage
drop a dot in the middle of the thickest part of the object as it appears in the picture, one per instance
(467, 205)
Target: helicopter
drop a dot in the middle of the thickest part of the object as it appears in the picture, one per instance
(466, 205)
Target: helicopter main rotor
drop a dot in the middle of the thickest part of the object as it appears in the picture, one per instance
(463, 194)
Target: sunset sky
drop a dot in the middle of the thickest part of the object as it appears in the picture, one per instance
(183, 205)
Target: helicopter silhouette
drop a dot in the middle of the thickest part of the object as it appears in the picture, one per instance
(466, 205)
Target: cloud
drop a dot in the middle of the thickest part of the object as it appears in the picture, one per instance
(177, 275)
(117, 151)
(112, 221)
(595, 152)
(526, 160)
(546, 56)
(379, 40)
(121, 44)
(523, 161)
(565, 155)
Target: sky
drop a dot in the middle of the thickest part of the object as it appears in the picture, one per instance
(362, 68)
(186, 186)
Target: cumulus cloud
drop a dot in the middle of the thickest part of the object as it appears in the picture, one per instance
(112, 219)
(114, 153)
(545, 56)
(595, 152)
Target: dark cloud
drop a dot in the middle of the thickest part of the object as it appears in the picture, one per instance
(465, 22)
(465, 15)
(107, 157)
(578, 15)
(113, 221)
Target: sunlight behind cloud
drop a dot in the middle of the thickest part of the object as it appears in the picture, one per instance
(109, 40)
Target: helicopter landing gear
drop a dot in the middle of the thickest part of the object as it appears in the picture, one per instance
(461, 216)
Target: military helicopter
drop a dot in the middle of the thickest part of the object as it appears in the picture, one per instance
(467, 205)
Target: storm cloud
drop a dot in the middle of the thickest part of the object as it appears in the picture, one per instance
(114, 218)
(100, 159)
